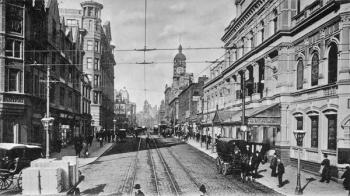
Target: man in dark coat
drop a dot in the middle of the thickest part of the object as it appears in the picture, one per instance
(256, 162)
(346, 177)
(280, 172)
(326, 172)
(273, 165)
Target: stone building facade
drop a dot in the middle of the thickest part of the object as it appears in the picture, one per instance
(181, 80)
(292, 55)
(188, 103)
(35, 38)
(98, 61)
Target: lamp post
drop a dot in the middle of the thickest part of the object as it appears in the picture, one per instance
(47, 120)
(299, 136)
(114, 121)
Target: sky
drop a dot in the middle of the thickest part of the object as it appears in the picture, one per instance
(193, 23)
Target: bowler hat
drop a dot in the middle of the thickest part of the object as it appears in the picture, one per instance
(137, 186)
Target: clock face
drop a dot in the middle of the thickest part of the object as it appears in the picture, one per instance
(180, 70)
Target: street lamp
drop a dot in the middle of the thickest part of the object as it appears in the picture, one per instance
(47, 122)
(114, 121)
(299, 136)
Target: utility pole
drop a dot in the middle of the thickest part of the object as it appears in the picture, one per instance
(48, 111)
(47, 120)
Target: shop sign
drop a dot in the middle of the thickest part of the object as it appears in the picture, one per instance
(65, 126)
(264, 121)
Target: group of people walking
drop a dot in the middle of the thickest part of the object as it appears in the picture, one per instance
(81, 145)
(277, 169)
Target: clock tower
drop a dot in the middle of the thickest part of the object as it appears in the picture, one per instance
(179, 64)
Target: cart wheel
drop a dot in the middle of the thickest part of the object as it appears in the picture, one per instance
(218, 165)
(5, 182)
(19, 181)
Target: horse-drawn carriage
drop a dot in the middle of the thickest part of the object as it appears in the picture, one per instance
(121, 135)
(234, 155)
(14, 158)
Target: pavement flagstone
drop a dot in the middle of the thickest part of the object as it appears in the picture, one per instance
(95, 151)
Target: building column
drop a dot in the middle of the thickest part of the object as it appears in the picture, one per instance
(283, 136)
(256, 94)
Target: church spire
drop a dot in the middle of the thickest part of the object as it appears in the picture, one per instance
(180, 48)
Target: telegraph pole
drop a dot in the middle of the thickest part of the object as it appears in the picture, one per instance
(48, 111)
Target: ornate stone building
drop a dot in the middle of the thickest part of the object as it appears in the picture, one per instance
(293, 56)
(125, 110)
(181, 80)
(98, 61)
(34, 38)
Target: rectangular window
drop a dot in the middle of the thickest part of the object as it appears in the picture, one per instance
(52, 93)
(72, 22)
(95, 97)
(89, 11)
(299, 127)
(96, 81)
(54, 32)
(96, 46)
(13, 48)
(13, 80)
(332, 132)
(89, 63)
(314, 131)
(62, 96)
(97, 64)
(53, 62)
(90, 45)
(70, 99)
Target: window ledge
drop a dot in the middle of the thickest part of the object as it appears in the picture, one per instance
(332, 152)
(312, 149)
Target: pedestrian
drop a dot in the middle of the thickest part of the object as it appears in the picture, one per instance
(138, 191)
(77, 146)
(148, 141)
(326, 170)
(256, 159)
(273, 165)
(85, 149)
(90, 139)
(280, 172)
(59, 145)
(346, 176)
(100, 139)
(202, 190)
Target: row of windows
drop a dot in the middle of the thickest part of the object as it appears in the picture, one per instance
(91, 11)
(97, 65)
(314, 133)
(93, 47)
(332, 68)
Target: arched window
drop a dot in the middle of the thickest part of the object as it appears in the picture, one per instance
(314, 69)
(333, 63)
(300, 74)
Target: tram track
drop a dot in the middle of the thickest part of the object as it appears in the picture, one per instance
(173, 185)
(129, 178)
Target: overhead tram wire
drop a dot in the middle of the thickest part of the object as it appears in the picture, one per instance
(144, 50)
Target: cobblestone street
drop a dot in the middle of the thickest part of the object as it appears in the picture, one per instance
(175, 169)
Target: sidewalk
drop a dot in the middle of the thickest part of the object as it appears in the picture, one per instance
(94, 152)
(314, 187)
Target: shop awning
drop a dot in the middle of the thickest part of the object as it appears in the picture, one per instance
(268, 115)
(224, 116)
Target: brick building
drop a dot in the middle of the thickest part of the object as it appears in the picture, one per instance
(188, 103)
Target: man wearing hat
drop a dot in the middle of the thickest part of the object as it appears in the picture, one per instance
(138, 191)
